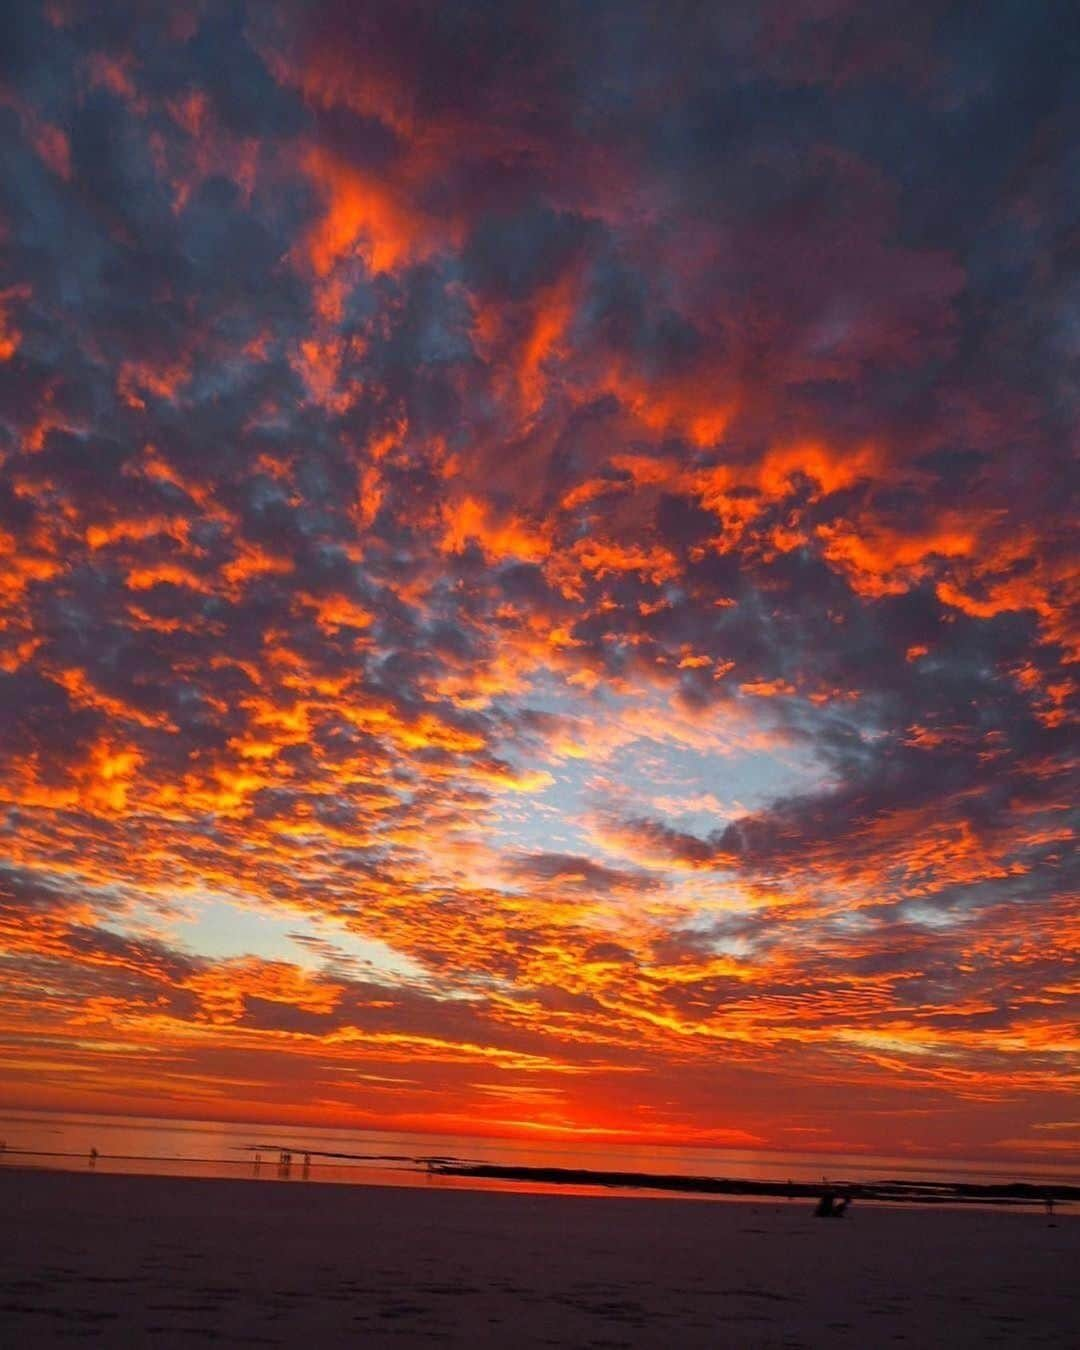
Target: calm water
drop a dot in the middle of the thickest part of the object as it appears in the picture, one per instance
(210, 1149)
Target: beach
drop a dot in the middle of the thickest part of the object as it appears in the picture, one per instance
(137, 1260)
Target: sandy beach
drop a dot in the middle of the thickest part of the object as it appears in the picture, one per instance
(131, 1260)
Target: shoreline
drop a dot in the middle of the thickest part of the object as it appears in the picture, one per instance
(881, 1192)
(498, 1178)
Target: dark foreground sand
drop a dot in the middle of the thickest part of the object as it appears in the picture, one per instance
(132, 1261)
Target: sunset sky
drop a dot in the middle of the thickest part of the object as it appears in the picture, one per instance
(537, 583)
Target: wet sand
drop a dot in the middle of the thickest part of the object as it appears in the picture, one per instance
(133, 1260)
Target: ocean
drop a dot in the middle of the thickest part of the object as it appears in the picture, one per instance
(195, 1148)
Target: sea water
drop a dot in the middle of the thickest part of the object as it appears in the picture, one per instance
(200, 1148)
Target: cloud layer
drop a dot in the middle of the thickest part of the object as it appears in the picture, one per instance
(537, 580)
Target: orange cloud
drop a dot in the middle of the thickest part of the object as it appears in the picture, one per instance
(470, 520)
(365, 218)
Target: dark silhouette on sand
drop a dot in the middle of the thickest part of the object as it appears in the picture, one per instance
(832, 1206)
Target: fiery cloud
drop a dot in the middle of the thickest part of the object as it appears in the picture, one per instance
(536, 569)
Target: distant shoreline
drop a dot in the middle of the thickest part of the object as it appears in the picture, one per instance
(891, 1191)
(1013, 1194)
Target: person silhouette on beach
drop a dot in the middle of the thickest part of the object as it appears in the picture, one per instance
(830, 1206)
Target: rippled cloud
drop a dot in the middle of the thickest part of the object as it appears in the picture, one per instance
(537, 569)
